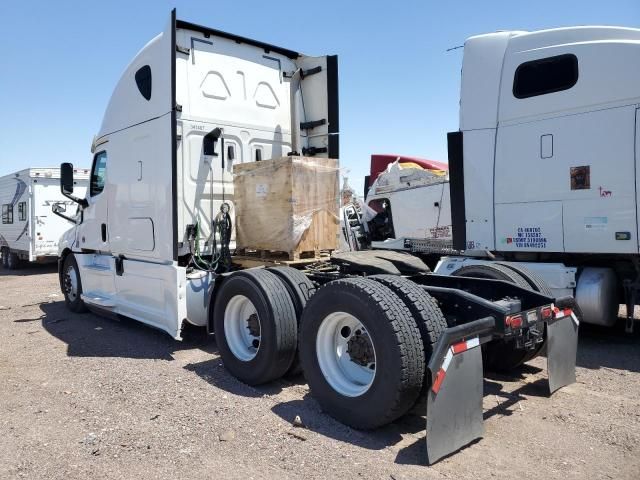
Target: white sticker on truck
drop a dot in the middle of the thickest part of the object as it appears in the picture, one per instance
(595, 223)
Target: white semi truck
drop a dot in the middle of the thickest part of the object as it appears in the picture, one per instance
(543, 171)
(192, 102)
(29, 230)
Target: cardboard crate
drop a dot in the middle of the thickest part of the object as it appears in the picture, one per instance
(287, 204)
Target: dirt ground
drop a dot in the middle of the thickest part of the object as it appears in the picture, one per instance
(83, 396)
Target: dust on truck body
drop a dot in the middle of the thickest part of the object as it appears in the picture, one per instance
(154, 237)
(544, 167)
(29, 230)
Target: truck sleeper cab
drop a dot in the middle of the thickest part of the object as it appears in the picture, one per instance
(544, 166)
(154, 179)
(194, 101)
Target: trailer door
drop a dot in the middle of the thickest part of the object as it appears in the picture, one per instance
(318, 106)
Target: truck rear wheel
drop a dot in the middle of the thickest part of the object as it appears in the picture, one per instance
(425, 311)
(361, 352)
(13, 261)
(300, 289)
(71, 285)
(536, 283)
(256, 327)
(498, 355)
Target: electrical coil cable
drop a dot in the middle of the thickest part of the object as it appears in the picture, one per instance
(223, 226)
(220, 260)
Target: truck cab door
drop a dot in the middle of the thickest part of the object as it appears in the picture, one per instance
(92, 232)
(316, 106)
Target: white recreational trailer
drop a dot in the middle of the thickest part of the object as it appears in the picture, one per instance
(194, 101)
(29, 230)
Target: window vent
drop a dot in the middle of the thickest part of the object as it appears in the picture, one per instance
(143, 80)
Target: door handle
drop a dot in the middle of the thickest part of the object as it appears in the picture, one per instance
(139, 170)
(103, 229)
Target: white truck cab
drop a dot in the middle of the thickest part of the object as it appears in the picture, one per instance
(544, 166)
(549, 125)
(192, 103)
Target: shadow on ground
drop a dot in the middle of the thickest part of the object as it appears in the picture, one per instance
(609, 347)
(27, 269)
(90, 335)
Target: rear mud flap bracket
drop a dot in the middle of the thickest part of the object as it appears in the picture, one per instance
(562, 346)
(454, 403)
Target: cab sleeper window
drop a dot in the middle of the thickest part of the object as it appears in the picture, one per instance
(546, 75)
(98, 173)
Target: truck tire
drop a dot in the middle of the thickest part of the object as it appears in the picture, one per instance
(13, 261)
(427, 314)
(71, 285)
(361, 352)
(498, 355)
(255, 326)
(494, 271)
(300, 289)
(535, 281)
(5, 257)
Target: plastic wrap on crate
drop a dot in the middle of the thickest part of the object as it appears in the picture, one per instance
(288, 204)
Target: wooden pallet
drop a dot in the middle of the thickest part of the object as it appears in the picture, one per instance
(255, 258)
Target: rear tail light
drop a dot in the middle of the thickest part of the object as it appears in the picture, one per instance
(513, 321)
(546, 313)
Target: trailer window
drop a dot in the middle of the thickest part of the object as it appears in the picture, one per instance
(547, 75)
(22, 211)
(7, 213)
(97, 173)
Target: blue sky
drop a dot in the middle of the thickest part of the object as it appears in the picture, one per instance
(398, 84)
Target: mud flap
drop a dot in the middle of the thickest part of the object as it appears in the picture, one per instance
(454, 404)
(562, 345)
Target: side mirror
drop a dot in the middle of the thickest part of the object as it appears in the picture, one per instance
(66, 178)
(60, 209)
(66, 185)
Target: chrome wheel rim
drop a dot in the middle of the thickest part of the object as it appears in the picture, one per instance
(346, 354)
(242, 328)
(71, 283)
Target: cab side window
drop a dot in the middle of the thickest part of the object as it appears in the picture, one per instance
(546, 75)
(98, 172)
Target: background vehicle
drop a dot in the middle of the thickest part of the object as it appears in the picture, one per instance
(29, 230)
(543, 169)
(154, 239)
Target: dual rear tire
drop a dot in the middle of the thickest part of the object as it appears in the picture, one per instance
(502, 355)
(256, 328)
(10, 260)
(361, 341)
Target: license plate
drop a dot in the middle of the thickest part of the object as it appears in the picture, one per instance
(532, 317)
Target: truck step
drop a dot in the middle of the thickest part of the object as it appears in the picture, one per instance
(95, 299)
